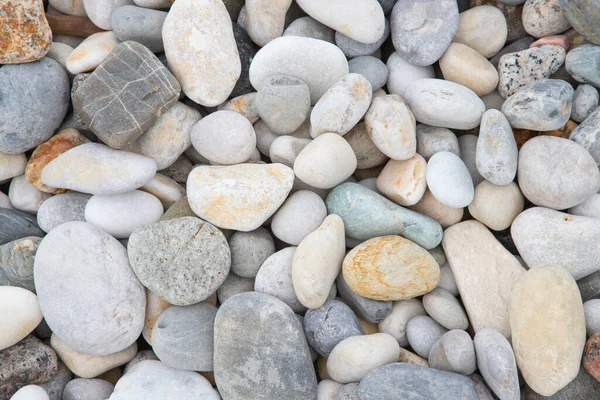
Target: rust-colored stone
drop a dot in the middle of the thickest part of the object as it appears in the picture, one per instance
(591, 356)
(523, 135)
(48, 151)
(25, 35)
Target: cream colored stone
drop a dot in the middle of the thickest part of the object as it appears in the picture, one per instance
(411, 358)
(318, 261)
(91, 52)
(19, 314)
(12, 165)
(70, 7)
(165, 189)
(496, 206)
(462, 64)
(390, 268)
(548, 328)
(155, 305)
(87, 365)
(244, 104)
(483, 29)
(286, 148)
(485, 273)
(403, 181)
(265, 19)
(402, 312)
(24, 196)
(444, 215)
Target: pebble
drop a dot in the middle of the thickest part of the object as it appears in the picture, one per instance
(582, 62)
(328, 389)
(445, 309)
(179, 170)
(91, 52)
(27, 362)
(354, 357)
(165, 189)
(199, 42)
(155, 305)
(152, 379)
(402, 74)
(591, 356)
(362, 20)
(454, 352)
(30, 392)
(483, 28)
(90, 366)
(496, 206)
(391, 126)
(353, 48)
(497, 365)
(182, 337)
(403, 182)
(272, 344)
(583, 18)
(236, 197)
(367, 269)
(586, 134)
(366, 152)
(585, 102)
(85, 270)
(421, 32)
(520, 70)
(463, 65)
(342, 106)
(90, 389)
(543, 106)
(449, 181)
(99, 12)
(422, 332)
(515, 47)
(197, 253)
(70, 7)
(24, 196)
(16, 262)
(283, 103)
(548, 328)
(468, 153)
(265, 19)
(497, 153)
(443, 103)
(432, 208)
(285, 149)
(485, 274)
(372, 311)
(249, 250)
(348, 392)
(139, 24)
(301, 213)
(311, 28)
(371, 68)
(329, 324)
(19, 314)
(12, 165)
(543, 18)
(367, 215)
(591, 309)
(589, 287)
(588, 208)
(316, 158)
(16, 225)
(556, 173)
(433, 139)
(548, 237)
(396, 321)
(42, 86)
(402, 380)
(71, 170)
(62, 208)
(317, 63)
(234, 285)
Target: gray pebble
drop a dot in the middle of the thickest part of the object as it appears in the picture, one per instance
(371, 68)
(62, 208)
(196, 252)
(372, 311)
(16, 262)
(587, 134)
(310, 27)
(283, 103)
(139, 24)
(87, 389)
(497, 152)
(447, 281)
(234, 285)
(16, 225)
(585, 102)
(591, 309)
(443, 307)
(348, 392)
(258, 337)
(496, 362)
(583, 63)
(589, 287)
(249, 250)
(301, 213)
(329, 324)
(468, 153)
(454, 352)
(56, 385)
(182, 337)
(352, 48)
(433, 139)
(35, 99)
(583, 16)
(516, 46)
(422, 333)
(139, 357)
(482, 390)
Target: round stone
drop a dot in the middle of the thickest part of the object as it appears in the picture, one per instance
(403, 182)
(443, 307)
(265, 19)
(196, 252)
(62, 208)
(543, 18)
(234, 285)
(497, 153)
(432, 139)
(24, 196)
(70, 7)
(19, 314)
(496, 206)
(449, 180)
(371, 68)
(463, 65)
(12, 165)
(402, 74)
(483, 28)
(300, 214)
(30, 392)
(585, 101)
(402, 312)
(249, 250)
(94, 389)
(422, 333)
(454, 352)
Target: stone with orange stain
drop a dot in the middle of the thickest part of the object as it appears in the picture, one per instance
(91, 52)
(591, 356)
(48, 151)
(523, 135)
(245, 105)
(390, 268)
(265, 19)
(558, 40)
(403, 181)
(25, 34)
(155, 305)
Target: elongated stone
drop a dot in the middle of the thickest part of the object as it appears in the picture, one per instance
(372, 311)
(497, 152)
(587, 134)
(585, 102)
(16, 225)
(583, 17)
(496, 362)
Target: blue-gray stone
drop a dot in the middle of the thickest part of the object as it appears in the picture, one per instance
(34, 98)
(139, 24)
(587, 134)
(260, 350)
(584, 17)
(247, 50)
(367, 214)
(371, 68)
(454, 352)
(329, 324)
(585, 102)
(496, 362)
(514, 47)
(412, 382)
(543, 106)
(56, 385)
(15, 224)
(422, 333)
(62, 208)
(373, 311)
(348, 392)
(352, 48)
(583, 63)
(16, 262)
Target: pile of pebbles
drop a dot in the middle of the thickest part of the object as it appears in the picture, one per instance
(300, 200)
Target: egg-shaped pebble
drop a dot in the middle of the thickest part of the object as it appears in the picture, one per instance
(19, 314)
(30, 392)
(454, 352)
(449, 180)
(371, 68)
(445, 309)
(403, 182)
(463, 65)
(543, 18)
(249, 250)
(402, 312)
(80, 388)
(91, 52)
(70, 7)
(582, 63)
(402, 74)
(24, 196)
(286, 148)
(496, 206)
(585, 101)
(433, 139)
(300, 214)
(483, 28)
(497, 152)
(266, 19)
(591, 309)
(422, 333)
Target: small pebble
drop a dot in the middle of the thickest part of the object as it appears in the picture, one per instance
(283, 103)
(372, 311)
(468, 153)
(70, 7)
(91, 52)
(483, 28)
(19, 314)
(300, 214)
(89, 389)
(434, 209)
(585, 102)
(328, 389)
(543, 18)
(449, 181)
(591, 356)
(249, 250)
(12, 165)
(454, 352)
(285, 149)
(396, 321)
(403, 182)
(62, 208)
(422, 333)
(30, 392)
(496, 206)
(402, 74)
(582, 64)
(497, 153)
(234, 285)
(582, 17)
(16, 262)
(463, 65)
(445, 309)
(588, 208)
(353, 48)
(591, 309)
(371, 68)
(366, 152)
(432, 139)
(24, 196)
(311, 28)
(17, 224)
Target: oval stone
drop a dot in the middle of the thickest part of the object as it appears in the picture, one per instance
(265, 19)
(301, 214)
(583, 62)
(449, 180)
(372, 311)
(140, 25)
(62, 208)
(16, 225)
(463, 65)
(403, 182)
(583, 17)
(497, 152)
(91, 52)
(454, 352)
(12, 165)
(402, 74)
(19, 314)
(402, 312)
(585, 102)
(496, 206)
(16, 262)
(483, 28)
(367, 153)
(443, 307)
(496, 362)
(543, 18)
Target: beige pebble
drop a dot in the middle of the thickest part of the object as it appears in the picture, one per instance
(462, 64)
(91, 52)
(444, 215)
(404, 181)
(496, 206)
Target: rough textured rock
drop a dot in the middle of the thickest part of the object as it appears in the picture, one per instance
(26, 34)
(496, 362)
(591, 356)
(62, 208)
(150, 91)
(56, 385)
(543, 18)
(587, 134)
(258, 337)
(16, 225)
(497, 152)
(196, 252)
(16, 262)
(454, 352)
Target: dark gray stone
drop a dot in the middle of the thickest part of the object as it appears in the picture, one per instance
(587, 134)
(234, 285)
(139, 24)
(182, 337)
(412, 382)
(589, 287)
(55, 386)
(261, 351)
(183, 260)
(463, 5)
(34, 100)
(584, 17)
(16, 262)
(29, 362)
(87, 389)
(422, 333)
(233, 8)
(352, 48)
(247, 50)
(371, 68)
(583, 63)
(387, 5)
(584, 386)
(62, 208)
(585, 102)
(123, 97)
(372, 311)
(514, 47)
(15, 224)
(329, 324)
(348, 392)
